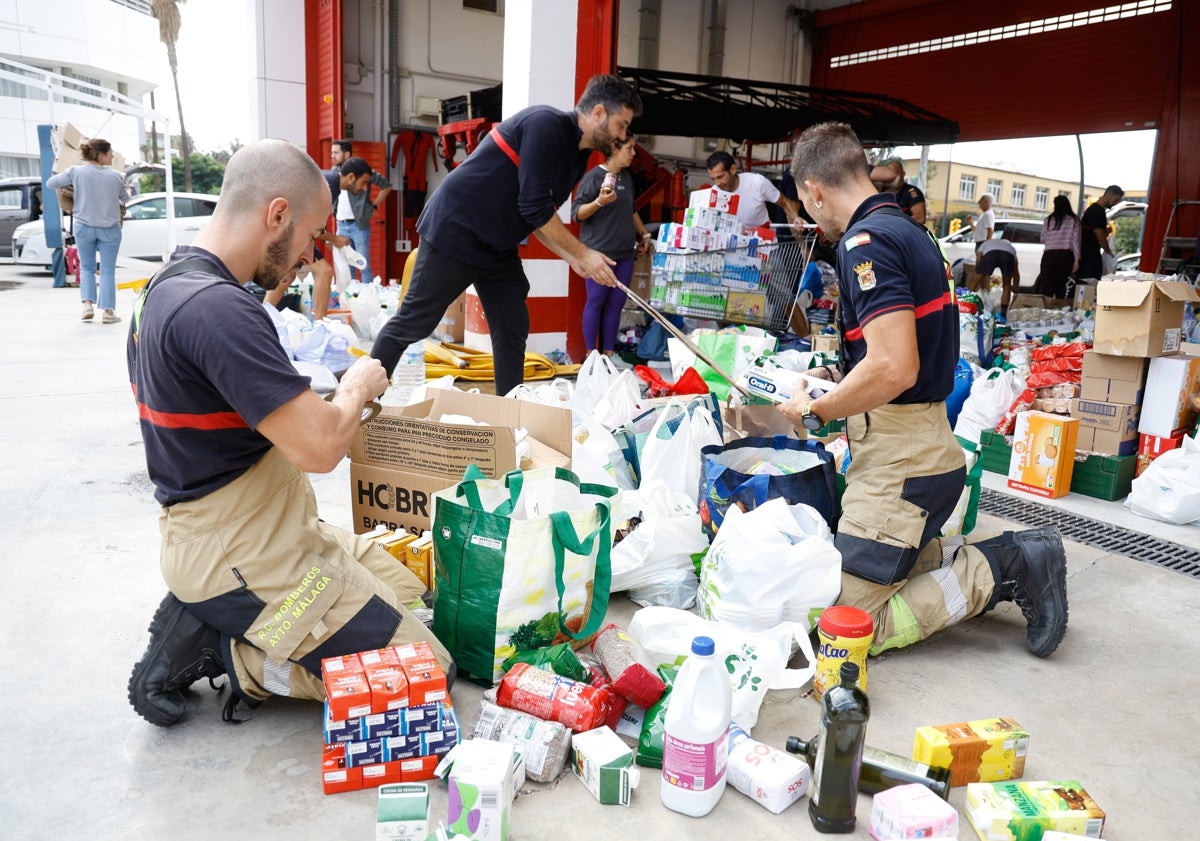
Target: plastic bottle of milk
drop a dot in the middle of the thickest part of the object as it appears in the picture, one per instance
(695, 733)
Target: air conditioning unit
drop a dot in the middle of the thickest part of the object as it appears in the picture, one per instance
(429, 106)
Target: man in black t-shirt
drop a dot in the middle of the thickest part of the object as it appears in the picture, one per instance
(1093, 234)
(899, 322)
(889, 176)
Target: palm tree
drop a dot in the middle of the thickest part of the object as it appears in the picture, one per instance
(166, 12)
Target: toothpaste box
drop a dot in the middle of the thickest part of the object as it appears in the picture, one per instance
(974, 751)
(714, 198)
(604, 764)
(712, 219)
(779, 384)
(769, 776)
(346, 687)
(1024, 811)
(403, 812)
(363, 753)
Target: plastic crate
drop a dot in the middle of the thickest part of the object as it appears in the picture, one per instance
(1104, 477)
(996, 453)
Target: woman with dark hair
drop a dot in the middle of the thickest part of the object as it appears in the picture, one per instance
(99, 193)
(603, 207)
(1060, 233)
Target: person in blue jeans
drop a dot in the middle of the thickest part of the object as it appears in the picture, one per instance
(608, 223)
(99, 195)
(355, 209)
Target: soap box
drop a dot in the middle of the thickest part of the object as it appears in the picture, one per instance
(764, 773)
(1023, 811)
(912, 811)
(604, 764)
(974, 751)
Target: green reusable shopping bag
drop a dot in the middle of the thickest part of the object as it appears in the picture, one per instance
(520, 563)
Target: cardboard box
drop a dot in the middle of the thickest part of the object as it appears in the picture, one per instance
(419, 559)
(974, 751)
(1085, 296)
(1024, 810)
(406, 454)
(479, 775)
(746, 306)
(1043, 454)
(1172, 384)
(1151, 447)
(824, 343)
(1140, 318)
(453, 324)
(394, 543)
(604, 764)
(426, 680)
(403, 812)
(1107, 428)
(1112, 379)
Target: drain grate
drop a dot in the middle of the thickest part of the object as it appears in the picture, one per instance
(1085, 530)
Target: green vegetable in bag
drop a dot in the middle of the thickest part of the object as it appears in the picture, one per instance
(650, 744)
(559, 659)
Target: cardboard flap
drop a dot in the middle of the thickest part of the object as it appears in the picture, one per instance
(1177, 290)
(1120, 293)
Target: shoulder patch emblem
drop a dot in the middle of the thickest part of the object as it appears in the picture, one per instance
(866, 275)
(857, 240)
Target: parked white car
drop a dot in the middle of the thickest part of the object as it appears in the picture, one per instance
(143, 233)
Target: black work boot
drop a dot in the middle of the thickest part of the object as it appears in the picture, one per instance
(1030, 568)
(182, 650)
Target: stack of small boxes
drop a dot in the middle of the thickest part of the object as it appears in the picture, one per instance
(388, 717)
(707, 266)
(415, 552)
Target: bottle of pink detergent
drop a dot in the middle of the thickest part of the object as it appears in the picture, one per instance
(695, 733)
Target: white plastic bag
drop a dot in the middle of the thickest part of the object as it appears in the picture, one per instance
(324, 346)
(1169, 489)
(991, 396)
(757, 662)
(364, 307)
(672, 449)
(352, 257)
(341, 269)
(654, 561)
(619, 404)
(596, 457)
(802, 577)
(595, 375)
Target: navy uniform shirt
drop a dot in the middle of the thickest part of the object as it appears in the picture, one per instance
(908, 195)
(488, 204)
(887, 263)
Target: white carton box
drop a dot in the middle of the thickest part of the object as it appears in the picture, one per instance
(779, 384)
(479, 773)
(604, 764)
(766, 774)
(403, 813)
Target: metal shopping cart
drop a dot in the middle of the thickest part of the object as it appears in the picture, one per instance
(756, 284)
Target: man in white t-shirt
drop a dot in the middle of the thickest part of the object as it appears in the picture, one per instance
(754, 192)
(985, 225)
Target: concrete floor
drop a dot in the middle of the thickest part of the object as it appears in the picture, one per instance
(1114, 708)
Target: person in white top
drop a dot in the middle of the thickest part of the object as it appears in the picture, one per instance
(754, 192)
(985, 225)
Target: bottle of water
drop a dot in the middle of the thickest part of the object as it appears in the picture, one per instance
(409, 374)
(696, 733)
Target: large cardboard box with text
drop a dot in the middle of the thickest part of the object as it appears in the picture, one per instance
(406, 454)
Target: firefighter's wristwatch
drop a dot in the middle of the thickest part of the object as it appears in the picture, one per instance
(810, 420)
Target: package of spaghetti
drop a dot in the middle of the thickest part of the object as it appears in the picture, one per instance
(632, 674)
(544, 745)
(552, 697)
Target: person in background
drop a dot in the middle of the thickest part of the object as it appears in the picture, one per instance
(1093, 235)
(510, 187)
(985, 222)
(603, 207)
(889, 175)
(355, 209)
(1060, 233)
(100, 195)
(899, 322)
(754, 191)
(352, 176)
(997, 254)
(260, 588)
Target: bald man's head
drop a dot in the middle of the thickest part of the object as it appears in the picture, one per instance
(270, 169)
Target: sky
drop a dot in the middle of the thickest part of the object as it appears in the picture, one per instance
(213, 52)
(214, 72)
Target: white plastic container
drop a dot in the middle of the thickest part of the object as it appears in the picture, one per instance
(696, 733)
(408, 376)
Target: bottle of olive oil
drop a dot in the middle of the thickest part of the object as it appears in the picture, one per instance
(882, 769)
(844, 714)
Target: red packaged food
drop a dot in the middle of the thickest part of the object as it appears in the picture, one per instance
(553, 697)
(1024, 401)
(633, 676)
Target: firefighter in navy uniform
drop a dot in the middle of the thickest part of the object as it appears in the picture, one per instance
(899, 325)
